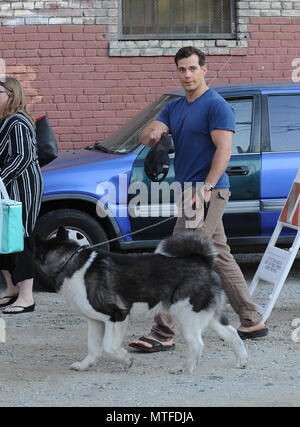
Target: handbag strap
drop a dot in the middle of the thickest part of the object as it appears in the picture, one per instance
(3, 190)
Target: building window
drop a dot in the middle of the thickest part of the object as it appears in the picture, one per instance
(177, 19)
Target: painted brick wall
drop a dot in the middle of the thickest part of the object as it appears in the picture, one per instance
(68, 75)
(61, 53)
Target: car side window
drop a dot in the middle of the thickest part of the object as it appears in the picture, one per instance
(243, 119)
(284, 120)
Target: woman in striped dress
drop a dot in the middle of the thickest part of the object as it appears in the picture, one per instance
(21, 174)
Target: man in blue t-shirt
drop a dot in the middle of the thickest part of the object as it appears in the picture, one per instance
(202, 125)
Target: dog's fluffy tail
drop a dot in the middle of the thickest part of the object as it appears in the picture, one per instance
(186, 244)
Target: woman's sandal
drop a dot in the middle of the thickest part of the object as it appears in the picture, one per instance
(11, 300)
(24, 309)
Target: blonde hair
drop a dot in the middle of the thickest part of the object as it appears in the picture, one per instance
(16, 100)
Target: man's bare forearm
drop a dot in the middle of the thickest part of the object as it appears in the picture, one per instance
(222, 139)
(218, 166)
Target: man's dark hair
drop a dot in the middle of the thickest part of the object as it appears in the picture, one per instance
(187, 51)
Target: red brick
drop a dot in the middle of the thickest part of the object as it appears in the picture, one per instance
(70, 28)
(27, 45)
(47, 28)
(281, 20)
(19, 53)
(284, 36)
(252, 27)
(269, 43)
(25, 29)
(59, 36)
(57, 44)
(261, 21)
(289, 43)
(105, 68)
(253, 43)
(74, 60)
(74, 45)
(58, 115)
(84, 36)
(229, 74)
(282, 66)
(94, 28)
(61, 68)
(7, 30)
(290, 28)
(106, 83)
(241, 80)
(47, 60)
(12, 38)
(263, 35)
(270, 27)
(263, 66)
(293, 51)
(259, 51)
(238, 51)
(36, 36)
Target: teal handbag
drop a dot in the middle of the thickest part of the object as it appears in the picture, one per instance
(11, 225)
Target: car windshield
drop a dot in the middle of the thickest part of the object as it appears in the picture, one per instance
(126, 139)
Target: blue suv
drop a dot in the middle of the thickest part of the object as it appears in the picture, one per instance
(265, 158)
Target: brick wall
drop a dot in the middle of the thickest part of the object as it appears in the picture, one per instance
(64, 54)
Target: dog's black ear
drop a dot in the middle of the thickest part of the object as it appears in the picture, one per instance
(62, 234)
(39, 241)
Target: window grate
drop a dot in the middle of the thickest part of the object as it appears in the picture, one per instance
(149, 19)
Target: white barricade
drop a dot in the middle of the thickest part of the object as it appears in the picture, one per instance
(276, 262)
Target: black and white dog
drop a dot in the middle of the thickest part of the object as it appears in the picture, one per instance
(178, 278)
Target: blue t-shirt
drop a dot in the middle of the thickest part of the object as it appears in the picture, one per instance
(190, 124)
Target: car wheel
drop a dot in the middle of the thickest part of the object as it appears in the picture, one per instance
(82, 227)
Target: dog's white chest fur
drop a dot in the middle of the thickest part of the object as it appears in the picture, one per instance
(74, 290)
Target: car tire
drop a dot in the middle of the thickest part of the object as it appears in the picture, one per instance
(82, 227)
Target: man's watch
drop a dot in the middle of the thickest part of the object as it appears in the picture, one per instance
(207, 186)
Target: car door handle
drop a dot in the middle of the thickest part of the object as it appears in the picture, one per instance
(237, 170)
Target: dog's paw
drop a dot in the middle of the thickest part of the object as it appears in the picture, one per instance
(177, 371)
(79, 366)
(128, 363)
(241, 364)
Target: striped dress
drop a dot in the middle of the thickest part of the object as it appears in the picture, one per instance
(19, 167)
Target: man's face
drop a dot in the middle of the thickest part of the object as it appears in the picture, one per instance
(190, 73)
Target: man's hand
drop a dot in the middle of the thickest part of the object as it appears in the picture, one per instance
(155, 136)
(153, 133)
(205, 196)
